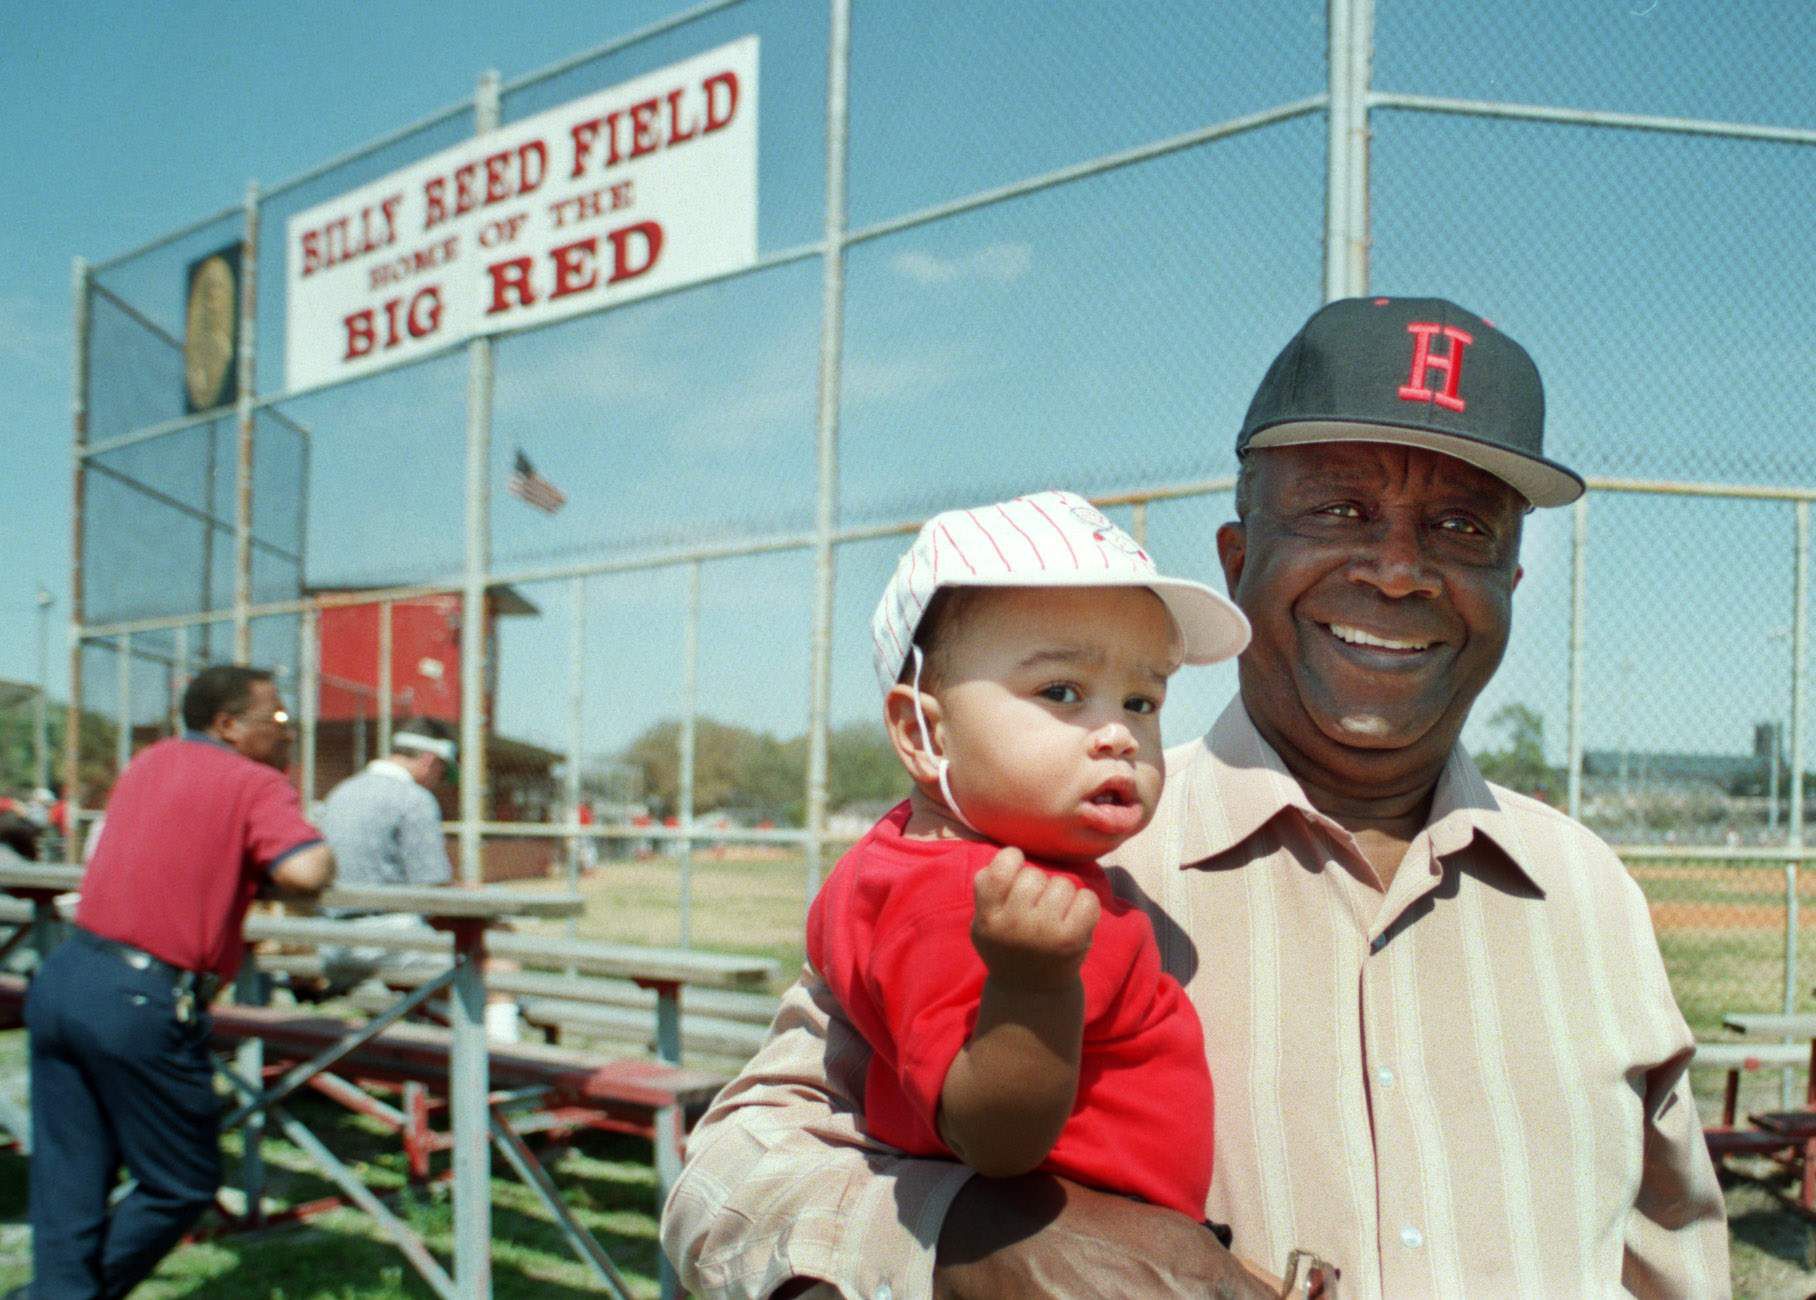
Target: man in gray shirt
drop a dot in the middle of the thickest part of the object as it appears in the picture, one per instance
(384, 826)
(385, 821)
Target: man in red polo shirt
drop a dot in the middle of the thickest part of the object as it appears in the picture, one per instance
(120, 1070)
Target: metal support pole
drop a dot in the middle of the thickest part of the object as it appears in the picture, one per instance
(308, 704)
(576, 735)
(1800, 615)
(251, 989)
(1350, 68)
(473, 622)
(72, 722)
(122, 704)
(384, 677)
(1800, 647)
(832, 336)
(1361, 85)
(179, 680)
(40, 720)
(1336, 150)
(468, 1085)
(690, 713)
(1579, 573)
(242, 511)
(207, 601)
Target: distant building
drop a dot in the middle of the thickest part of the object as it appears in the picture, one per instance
(1663, 772)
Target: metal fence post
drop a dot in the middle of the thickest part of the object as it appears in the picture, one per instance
(308, 704)
(1579, 573)
(832, 337)
(1350, 68)
(179, 681)
(472, 1165)
(40, 719)
(576, 735)
(72, 717)
(473, 782)
(248, 357)
(122, 703)
(690, 713)
(1800, 614)
(385, 688)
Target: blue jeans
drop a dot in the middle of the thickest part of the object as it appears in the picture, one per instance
(115, 1080)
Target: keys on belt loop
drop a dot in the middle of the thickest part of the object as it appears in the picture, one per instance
(189, 989)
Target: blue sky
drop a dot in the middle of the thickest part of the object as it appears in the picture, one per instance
(1100, 336)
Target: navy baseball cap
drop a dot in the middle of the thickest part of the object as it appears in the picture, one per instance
(1417, 372)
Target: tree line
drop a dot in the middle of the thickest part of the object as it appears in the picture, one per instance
(762, 776)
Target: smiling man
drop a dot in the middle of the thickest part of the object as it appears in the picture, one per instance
(1447, 1056)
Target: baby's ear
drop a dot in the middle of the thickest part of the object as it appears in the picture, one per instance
(905, 731)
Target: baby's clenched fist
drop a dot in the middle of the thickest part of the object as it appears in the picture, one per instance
(1032, 928)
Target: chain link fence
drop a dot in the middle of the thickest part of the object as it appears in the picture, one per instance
(1066, 250)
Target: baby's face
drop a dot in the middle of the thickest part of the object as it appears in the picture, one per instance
(1050, 714)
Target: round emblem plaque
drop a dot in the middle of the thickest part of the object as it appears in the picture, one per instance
(208, 334)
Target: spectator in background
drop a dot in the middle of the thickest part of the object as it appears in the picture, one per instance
(120, 1068)
(384, 825)
(588, 847)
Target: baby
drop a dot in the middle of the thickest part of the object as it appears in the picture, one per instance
(1016, 1010)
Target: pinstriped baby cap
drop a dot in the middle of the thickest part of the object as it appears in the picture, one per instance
(1047, 539)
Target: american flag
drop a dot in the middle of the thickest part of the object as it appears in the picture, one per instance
(535, 489)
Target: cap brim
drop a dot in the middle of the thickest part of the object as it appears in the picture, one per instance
(1211, 626)
(1542, 482)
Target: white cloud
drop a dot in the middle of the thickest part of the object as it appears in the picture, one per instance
(1001, 263)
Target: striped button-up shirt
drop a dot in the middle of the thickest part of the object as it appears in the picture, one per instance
(1473, 1082)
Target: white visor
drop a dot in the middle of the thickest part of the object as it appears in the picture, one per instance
(442, 749)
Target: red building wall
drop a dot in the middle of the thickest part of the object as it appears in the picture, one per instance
(425, 660)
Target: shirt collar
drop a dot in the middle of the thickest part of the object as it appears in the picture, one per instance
(203, 738)
(1236, 783)
(385, 767)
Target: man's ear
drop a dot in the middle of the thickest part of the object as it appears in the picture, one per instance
(905, 731)
(1519, 571)
(1232, 550)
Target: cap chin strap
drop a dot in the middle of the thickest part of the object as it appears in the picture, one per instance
(945, 764)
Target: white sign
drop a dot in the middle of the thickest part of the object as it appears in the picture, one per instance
(627, 192)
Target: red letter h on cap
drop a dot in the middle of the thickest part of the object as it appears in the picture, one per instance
(1424, 361)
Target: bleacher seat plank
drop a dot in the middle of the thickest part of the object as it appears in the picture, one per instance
(407, 1052)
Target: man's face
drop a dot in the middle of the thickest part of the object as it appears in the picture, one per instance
(1049, 711)
(1379, 580)
(260, 731)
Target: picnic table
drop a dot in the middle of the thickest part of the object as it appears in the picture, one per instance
(464, 916)
(1788, 1136)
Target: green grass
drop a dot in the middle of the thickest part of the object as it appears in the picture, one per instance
(1719, 961)
(607, 1182)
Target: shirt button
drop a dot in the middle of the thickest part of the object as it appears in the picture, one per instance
(1412, 1237)
(1385, 1077)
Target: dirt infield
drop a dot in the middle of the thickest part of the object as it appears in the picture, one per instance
(1726, 916)
(1733, 880)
